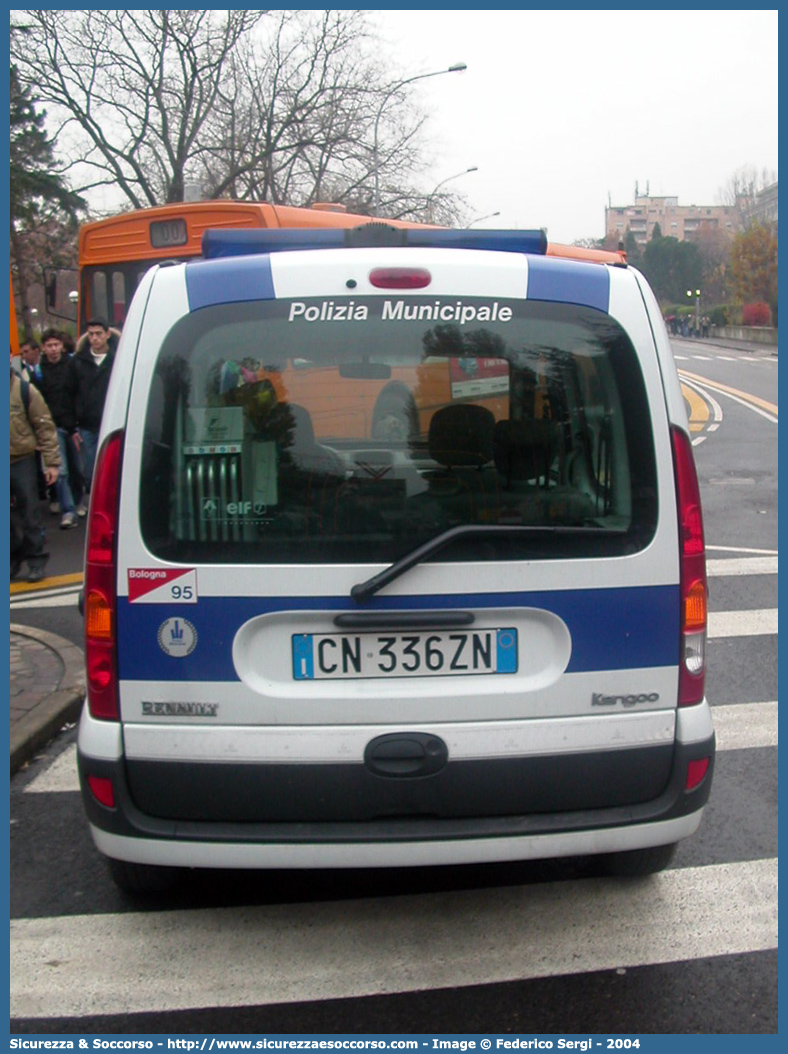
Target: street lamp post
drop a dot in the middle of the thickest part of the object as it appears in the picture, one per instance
(456, 68)
(697, 309)
(479, 219)
(431, 197)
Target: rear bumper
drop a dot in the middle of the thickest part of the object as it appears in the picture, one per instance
(428, 852)
(125, 832)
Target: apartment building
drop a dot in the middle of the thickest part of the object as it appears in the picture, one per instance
(677, 221)
(764, 208)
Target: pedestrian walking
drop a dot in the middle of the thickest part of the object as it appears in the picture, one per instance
(58, 386)
(30, 370)
(93, 363)
(31, 427)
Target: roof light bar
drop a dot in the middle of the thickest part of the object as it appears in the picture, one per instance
(220, 243)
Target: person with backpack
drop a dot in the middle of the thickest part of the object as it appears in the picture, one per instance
(32, 428)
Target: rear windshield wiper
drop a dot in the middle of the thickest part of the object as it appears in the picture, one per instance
(364, 590)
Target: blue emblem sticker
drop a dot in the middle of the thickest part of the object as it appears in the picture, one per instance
(177, 637)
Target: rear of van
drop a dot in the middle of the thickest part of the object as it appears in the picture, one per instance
(395, 557)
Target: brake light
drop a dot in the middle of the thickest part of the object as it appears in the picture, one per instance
(101, 660)
(102, 790)
(694, 588)
(696, 773)
(400, 278)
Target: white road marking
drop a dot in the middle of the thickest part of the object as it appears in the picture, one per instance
(738, 549)
(744, 726)
(59, 599)
(748, 405)
(61, 776)
(738, 725)
(753, 623)
(764, 565)
(293, 952)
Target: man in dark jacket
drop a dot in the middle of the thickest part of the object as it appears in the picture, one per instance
(92, 366)
(58, 386)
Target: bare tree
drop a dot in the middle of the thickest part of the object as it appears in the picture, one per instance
(742, 192)
(295, 122)
(132, 89)
(267, 106)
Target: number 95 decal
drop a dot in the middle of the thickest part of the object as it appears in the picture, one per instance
(162, 585)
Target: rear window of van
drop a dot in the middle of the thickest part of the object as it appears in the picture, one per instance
(353, 431)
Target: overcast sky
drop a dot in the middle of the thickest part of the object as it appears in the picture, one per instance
(558, 109)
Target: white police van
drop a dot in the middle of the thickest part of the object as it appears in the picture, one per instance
(395, 557)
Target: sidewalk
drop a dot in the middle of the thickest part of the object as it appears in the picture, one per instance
(47, 689)
(733, 345)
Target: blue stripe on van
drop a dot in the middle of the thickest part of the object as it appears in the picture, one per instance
(229, 281)
(611, 629)
(568, 281)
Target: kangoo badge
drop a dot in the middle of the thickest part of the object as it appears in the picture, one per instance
(177, 637)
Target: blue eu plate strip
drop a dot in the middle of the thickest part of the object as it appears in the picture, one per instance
(507, 651)
(303, 662)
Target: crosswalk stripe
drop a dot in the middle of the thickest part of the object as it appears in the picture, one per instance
(740, 549)
(744, 726)
(53, 600)
(738, 726)
(286, 953)
(764, 565)
(742, 623)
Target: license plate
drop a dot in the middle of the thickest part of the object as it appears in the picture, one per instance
(326, 656)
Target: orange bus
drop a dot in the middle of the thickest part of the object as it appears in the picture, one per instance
(115, 252)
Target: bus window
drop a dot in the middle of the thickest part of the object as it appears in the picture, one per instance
(118, 298)
(99, 305)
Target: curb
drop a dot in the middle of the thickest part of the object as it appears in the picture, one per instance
(34, 731)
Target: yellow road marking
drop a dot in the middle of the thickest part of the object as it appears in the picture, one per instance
(699, 409)
(47, 583)
(754, 399)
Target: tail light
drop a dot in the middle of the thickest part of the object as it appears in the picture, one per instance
(101, 658)
(696, 773)
(694, 589)
(400, 278)
(102, 790)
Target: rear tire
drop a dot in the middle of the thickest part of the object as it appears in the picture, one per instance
(142, 879)
(636, 863)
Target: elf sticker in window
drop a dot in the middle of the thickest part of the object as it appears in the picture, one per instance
(162, 585)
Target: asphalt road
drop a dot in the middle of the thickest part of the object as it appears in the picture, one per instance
(539, 948)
